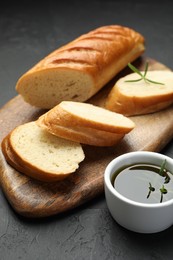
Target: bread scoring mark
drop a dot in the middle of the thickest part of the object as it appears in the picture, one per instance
(79, 49)
(112, 33)
(95, 37)
(70, 60)
(118, 31)
(109, 35)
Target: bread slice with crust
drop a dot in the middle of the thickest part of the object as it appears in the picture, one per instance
(9, 155)
(79, 134)
(41, 155)
(86, 123)
(136, 98)
(14, 161)
(72, 114)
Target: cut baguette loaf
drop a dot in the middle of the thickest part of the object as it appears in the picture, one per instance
(136, 98)
(81, 68)
(40, 155)
(86, 123)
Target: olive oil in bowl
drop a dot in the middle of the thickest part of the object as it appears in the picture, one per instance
(144, 183)
(139, 191)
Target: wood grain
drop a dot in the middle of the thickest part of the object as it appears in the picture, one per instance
(36, 199)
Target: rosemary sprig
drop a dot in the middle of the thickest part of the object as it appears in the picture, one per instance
(142, 76)
(163, 191)
(163, 172)
(151, 189)
(162, 168)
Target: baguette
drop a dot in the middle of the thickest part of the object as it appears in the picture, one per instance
(86, 123)
(137, 98)
(81, 68)
(40, 155)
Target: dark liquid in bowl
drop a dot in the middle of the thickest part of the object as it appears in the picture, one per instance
(144, 183)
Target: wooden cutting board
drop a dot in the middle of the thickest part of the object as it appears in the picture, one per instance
(32, 198)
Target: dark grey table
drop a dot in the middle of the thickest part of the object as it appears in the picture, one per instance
(29, 30)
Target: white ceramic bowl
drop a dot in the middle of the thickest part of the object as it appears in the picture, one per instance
(136, 216)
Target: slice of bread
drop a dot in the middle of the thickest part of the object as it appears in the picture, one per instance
(72, 114)
(41, 155)
(79, 134)
(9, 156)
(136, 98)
(13, 160)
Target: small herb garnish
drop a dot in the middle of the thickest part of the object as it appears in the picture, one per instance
(167, 179)
(151, 189)
(162, 168)
(142, 76)
(163, 191)
(162, 172)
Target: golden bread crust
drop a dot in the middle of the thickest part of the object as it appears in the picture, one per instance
(99, 54)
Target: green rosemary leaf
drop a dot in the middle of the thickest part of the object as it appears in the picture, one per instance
(162, 168)
(154, 82)
(133, 68)
(167, 179)
(151, 189)
(135, 80)
(146, 69)
(163, 190)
